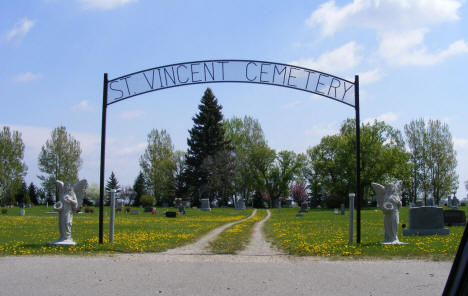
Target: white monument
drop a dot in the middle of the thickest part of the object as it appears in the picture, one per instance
(389, 200)
(70, 199)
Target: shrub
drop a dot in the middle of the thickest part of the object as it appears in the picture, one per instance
(4, 210)
(147, 200)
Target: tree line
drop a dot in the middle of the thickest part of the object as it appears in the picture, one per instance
(229, 159)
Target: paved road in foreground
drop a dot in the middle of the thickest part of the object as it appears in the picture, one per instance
(158, 274)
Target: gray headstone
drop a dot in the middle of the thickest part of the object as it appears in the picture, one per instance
(240, 204)
(205, 204)
(304, 208)
(426, 221)
(454, 218)
(134, 212)
(342, 209)
(299, 215)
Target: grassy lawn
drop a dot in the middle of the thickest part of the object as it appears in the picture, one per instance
(145, 232)
(235, 238)
(322, 233)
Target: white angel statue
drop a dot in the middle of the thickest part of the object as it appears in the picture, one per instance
(389, 200)
(70, 199)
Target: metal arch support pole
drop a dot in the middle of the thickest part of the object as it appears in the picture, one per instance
(103, 153)
(358, 161)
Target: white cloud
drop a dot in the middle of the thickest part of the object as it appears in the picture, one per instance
(83, 106)
(380, 15)
(318, 131)
(130, 149)
(387, 117)
(131, 114)
(407, 48)
(104, 4)
(370, 76)
(400, 26)
(460, 143)
(339, 60)
(291, 105)
(20, 29)
(26, 77)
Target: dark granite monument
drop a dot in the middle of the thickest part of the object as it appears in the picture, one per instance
(454, 218)
(426, 221)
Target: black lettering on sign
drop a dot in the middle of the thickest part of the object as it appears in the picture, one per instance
(334, 87)
(172, 78)
(206, 69)
(275, 70)
(126, 82)
(263, 72)
(119, 90)
(291, 76)
(160, 79)
(178, 74)
(346, 89)
(319, 83)
(152, 80)
(247, 71)
(222, 66)
(308, 76)
(194, 72)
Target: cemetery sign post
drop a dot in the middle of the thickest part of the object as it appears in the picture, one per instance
(231, 71)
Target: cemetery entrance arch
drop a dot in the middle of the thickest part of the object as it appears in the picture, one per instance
(231, 71)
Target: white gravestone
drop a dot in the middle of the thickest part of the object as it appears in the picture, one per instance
(70, 199)
(389, 200)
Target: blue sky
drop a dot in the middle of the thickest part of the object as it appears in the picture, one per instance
(411, 56)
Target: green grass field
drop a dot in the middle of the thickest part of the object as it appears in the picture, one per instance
(133, 233)
(318, 233)
(322, 233)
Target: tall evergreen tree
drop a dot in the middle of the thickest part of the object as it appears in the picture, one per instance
(22, 196)
(140, 188)
(33, 195)
(112, 183)
(206, 139)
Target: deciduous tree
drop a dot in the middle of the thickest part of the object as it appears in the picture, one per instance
(383, 159)
(158, 165)
(433, 157)
(59, 159)
(243, 134)
(12, 167)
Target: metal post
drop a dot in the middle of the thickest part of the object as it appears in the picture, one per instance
(103, 152)
(351, 217)
(358, 160)
(112, 214)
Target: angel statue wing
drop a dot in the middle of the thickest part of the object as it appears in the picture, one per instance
(79, 189)
(379, 193)
(60, 186)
